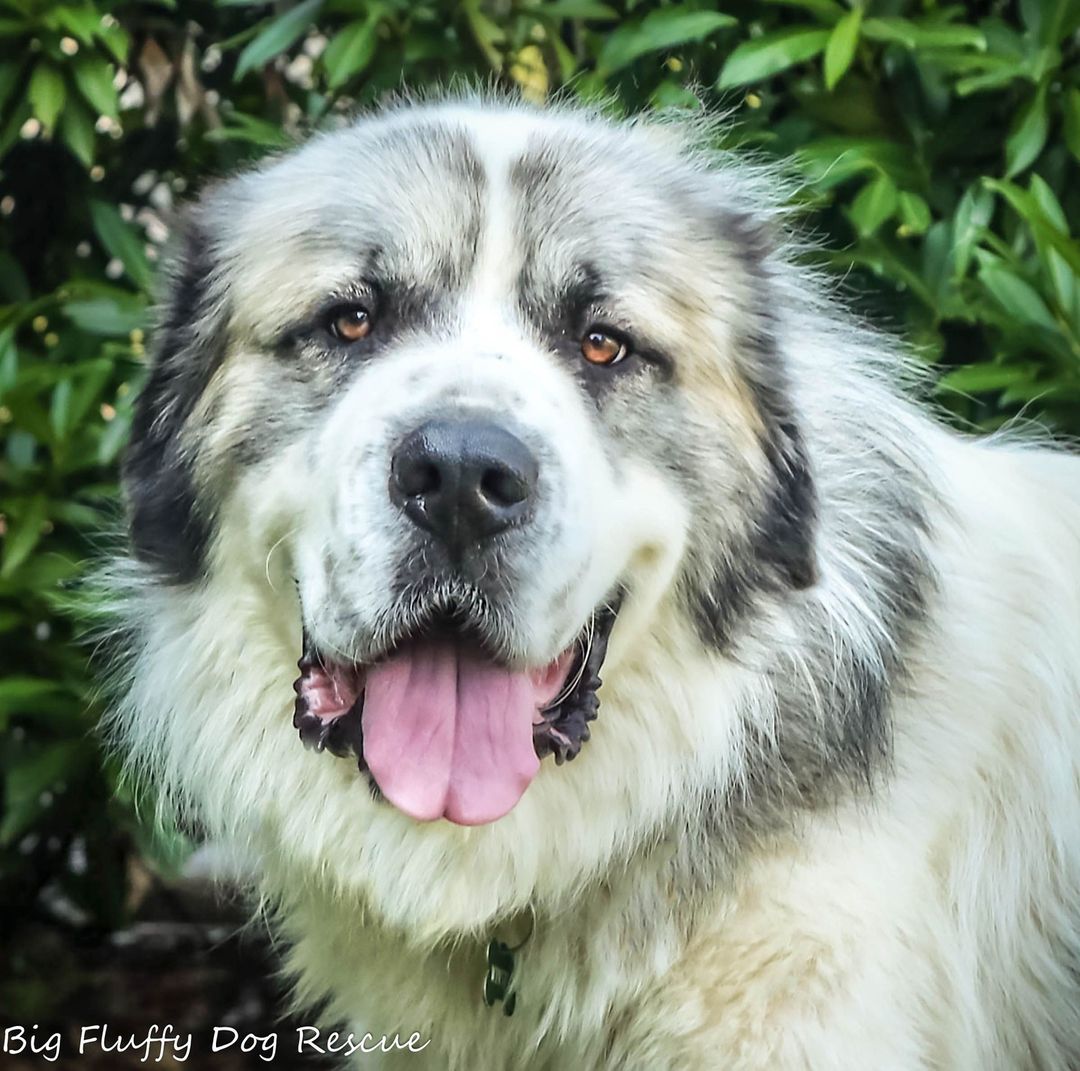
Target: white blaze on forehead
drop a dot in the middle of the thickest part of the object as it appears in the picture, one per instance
(498, 260)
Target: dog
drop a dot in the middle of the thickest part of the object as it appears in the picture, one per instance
(600, 653)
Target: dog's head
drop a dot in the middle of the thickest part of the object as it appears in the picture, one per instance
(434, 398)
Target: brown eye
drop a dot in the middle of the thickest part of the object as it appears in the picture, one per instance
(598, 347)
(350, 323)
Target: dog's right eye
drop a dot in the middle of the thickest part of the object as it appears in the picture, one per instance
(349, 323)
(603, 347)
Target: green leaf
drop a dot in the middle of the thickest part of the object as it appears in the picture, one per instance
(29, 778)
(977, 378)
(78, 515)
(1065, 281)
(9, 360)
(671, 94)
(248, 128)
(874, 204)
(840, 50)
(46, 95)
(13, 284)
(1051, 207)
(914, 212)
(77, 130)
(973, 213)
(1072, 121)
(1031, 11)
(121, 242)
(660, 30)
(827, 11)
(277, 36)
(1027, 135)
(94, 78)
(576, 9)
(39, 573)
(116, 39)
(1049, 21)
(1043, 392)
(23, 534)
(876, 255)
(1028, 208)
(9, 78)
(60, 409)
(80, 22)
(350, 50)
(564, 57)
(826, 162)
(1020, 300)
(487, 33)
(999, 73)
(20, 694)
(937, 259)
(765, 56)
(113, 439)
(923, 34)
(106, 316)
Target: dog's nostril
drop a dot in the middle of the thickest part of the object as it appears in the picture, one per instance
(417, 478)
(503, 487)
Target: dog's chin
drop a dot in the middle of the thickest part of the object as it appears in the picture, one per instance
(442, 725)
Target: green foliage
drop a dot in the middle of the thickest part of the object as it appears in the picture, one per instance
(938, 145)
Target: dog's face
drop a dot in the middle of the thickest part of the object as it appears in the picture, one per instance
(475, 380)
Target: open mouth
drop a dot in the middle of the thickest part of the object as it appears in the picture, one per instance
(443, 728)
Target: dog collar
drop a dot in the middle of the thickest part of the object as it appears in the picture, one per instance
(499, 974)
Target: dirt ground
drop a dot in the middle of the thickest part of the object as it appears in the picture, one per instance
(181, 968)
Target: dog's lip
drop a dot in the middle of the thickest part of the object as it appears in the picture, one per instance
(341, 733)
(561, 728)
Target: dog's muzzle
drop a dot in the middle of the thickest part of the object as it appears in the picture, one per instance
(439, 718)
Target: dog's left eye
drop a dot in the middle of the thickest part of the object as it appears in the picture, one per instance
(349, 323)
(600, 346)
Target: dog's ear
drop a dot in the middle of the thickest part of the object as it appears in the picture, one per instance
(787, 528)
(168, 527)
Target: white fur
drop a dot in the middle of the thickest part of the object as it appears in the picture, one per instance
(928, 923)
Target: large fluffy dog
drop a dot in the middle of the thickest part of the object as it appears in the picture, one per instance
(468, 406)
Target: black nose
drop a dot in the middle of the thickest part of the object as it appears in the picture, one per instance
(463, 480)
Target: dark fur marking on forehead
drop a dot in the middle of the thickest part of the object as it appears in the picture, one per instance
(166, 526)
(559, 308)
(533, 173)
(546, 181)
(440, 148)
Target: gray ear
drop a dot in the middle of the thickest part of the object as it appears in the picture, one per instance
(787, 528)
(168, 526)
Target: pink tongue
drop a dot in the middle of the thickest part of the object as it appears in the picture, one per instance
(448, 734)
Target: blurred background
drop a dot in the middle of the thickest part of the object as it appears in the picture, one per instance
(938, 150)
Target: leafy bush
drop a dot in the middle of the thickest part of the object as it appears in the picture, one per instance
(939, 147)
